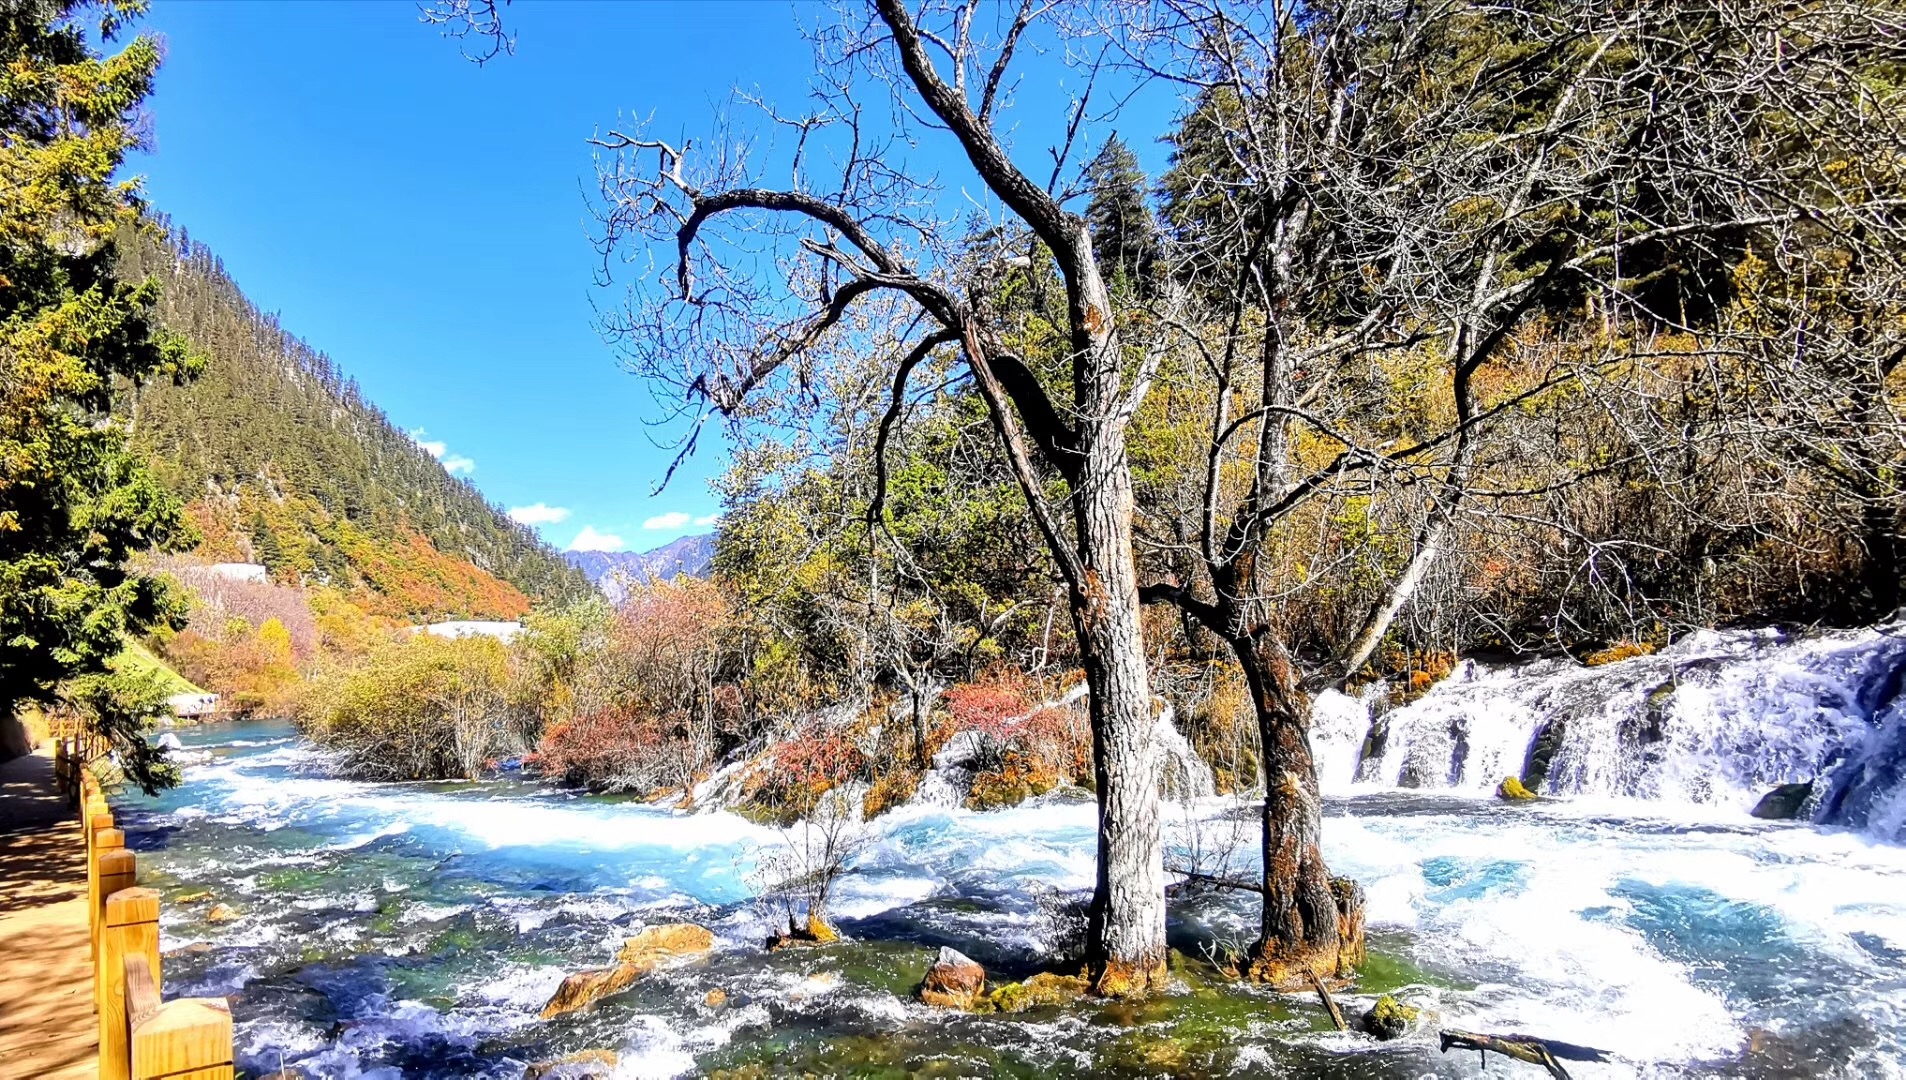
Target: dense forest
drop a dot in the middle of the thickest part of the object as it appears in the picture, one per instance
(284, 462)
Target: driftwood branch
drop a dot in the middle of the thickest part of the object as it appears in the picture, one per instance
(1543, 1052)
(1193, 877)
(1330, 1003)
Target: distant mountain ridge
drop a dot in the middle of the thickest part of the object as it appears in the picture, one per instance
(614, 571)
(284, 462)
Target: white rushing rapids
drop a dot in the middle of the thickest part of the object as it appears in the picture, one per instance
(1717, 719)
(1644, 912)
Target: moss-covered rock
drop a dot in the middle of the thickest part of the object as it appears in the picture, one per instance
(1389, 1018)
(1511, 790)
(1616, 653)
(1045, 988)
(1018, 776)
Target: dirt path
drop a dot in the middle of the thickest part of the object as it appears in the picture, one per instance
(46, 1008)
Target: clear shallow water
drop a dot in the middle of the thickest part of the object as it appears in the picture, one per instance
(415, 930)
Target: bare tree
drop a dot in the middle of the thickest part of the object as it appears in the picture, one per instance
(760, 281)
(796, 880)
(1370, 194)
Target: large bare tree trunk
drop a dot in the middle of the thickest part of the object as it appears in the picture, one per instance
(1126, 950)
(1311, 922)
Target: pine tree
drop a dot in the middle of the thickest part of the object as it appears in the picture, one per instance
(74, 504)
(1124, 233)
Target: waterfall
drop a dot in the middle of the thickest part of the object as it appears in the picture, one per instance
(1718, 718)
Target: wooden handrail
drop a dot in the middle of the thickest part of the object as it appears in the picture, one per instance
(141, 1036)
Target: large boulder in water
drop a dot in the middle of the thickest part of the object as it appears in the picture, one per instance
(1784, 803)
(641, 954)
(953, 982)
(585, 988)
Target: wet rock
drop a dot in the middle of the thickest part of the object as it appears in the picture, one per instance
(1389, 1018)
(654, 947)
(197, 948)
(222, 913)
(1511, 790)
(1044, 988)
(198, 897)
(1784, 803)
(817, 931)
(953, 982)
(715, 999)
(1548, 742)
(657, 945)
(579, 1064)
(585, 988)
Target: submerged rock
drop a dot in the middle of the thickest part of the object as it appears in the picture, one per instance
(657, 945)
(1389, 1018)
(1045, 988)
(639, 955)
(1784, 803)
(222, 913)
(198, 897)
(578, 1064)
(953, 982)
(1511, 790)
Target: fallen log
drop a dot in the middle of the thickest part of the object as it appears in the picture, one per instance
(1544, 1052)
(1195, 877)
(1330, 1003)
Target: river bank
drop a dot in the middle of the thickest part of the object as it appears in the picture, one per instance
(416, 930)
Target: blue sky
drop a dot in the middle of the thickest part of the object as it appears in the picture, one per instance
(423, 219)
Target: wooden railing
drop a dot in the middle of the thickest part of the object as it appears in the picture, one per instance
(141, 1037)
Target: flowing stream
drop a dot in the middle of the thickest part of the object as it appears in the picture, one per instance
(416, 930)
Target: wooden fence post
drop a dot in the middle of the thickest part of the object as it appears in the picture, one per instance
(131, 929)
(117, 869)
(186, 1039)
(104, 839)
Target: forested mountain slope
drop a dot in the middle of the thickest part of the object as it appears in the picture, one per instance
(286, 463)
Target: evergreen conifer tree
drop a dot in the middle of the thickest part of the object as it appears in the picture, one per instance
(74, 504)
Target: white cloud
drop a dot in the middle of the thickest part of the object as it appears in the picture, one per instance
(708, 519)
(591, 540)
(457, 463)
(674, 519)
(539, 514)
(435, 447)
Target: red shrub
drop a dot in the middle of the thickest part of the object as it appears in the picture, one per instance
(617, 750)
